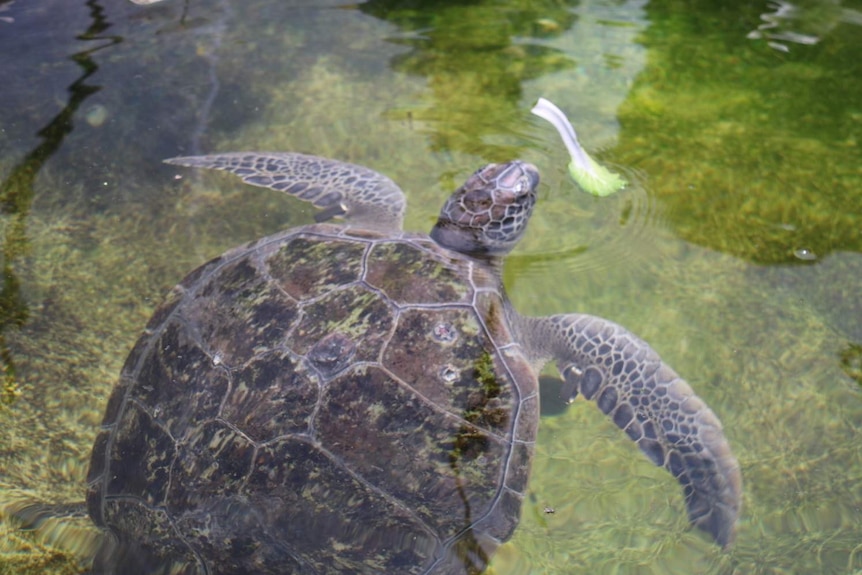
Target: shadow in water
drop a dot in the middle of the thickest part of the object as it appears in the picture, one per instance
(17, 190)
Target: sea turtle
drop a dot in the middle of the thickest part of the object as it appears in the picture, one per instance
(352, 398)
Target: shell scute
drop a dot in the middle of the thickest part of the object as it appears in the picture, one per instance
(212, 462)
(518, 471)
(421, 456)
(528, 414)
(299, 490)
(297, 266)
(361, 315)
(140, 458)
(237, 312)
(232, 529)
(272, 395)
(464, 377)
(116, 399)
(434, 277)
(332, 353)
(178, 383)
(160, 547)
(497, 524)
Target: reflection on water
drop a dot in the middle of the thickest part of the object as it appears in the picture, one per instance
(476, 60)
(4, 7)
(745, 158)
(803, 23)
(618, 232)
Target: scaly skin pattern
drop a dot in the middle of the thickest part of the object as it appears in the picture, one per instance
(338, 188)
(656, 408)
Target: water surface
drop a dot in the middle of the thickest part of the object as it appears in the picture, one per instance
(736, 251)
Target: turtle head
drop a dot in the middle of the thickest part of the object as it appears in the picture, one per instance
(489, 213)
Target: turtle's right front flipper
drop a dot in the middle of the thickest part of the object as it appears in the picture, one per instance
(654, 406)
(358, 194)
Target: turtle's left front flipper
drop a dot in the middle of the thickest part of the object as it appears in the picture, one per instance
(358, 194)
(654, 406)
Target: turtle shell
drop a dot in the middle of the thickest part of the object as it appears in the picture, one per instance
(324, 400)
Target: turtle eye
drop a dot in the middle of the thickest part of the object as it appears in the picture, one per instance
(521, 186)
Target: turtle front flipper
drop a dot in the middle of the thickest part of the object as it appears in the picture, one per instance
(654, 406)
(358, 194)
(31, 514)
(65, 525)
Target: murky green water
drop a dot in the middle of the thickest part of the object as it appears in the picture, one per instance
(737, 251)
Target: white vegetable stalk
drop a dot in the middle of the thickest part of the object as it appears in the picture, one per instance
(588, 174)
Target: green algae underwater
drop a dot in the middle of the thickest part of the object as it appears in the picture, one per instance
(735, 251)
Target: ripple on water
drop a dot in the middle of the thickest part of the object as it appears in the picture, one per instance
(602, 234)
